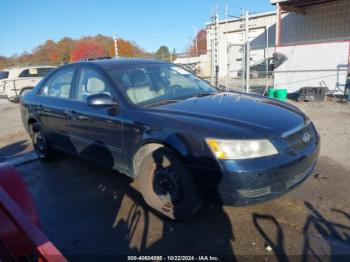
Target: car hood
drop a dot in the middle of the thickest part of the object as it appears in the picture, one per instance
(268, 117)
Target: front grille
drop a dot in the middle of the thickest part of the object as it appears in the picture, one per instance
(298, 141)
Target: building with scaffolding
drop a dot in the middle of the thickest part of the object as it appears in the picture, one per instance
(312, 37)
(231, 38)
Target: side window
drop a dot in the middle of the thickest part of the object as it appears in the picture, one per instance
(36, 72)
(91, 82)
(24, 73)
(44, 71)
(31, 72)
(59, 84)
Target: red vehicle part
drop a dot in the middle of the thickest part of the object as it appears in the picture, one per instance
(19, 223)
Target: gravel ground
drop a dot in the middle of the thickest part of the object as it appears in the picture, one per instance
(88, 210)
(14, 140)
(333, 123)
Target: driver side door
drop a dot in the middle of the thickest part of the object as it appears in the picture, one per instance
(96, 132)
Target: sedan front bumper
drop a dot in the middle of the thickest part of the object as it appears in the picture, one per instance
(252, 181)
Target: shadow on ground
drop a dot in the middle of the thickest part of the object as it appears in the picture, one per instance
(89, 210)
(95, 211)
(318, 232)
(13, 150)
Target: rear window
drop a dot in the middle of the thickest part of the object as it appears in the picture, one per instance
(4, 74)
(36, 72)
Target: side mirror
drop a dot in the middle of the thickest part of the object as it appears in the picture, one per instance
(101, 100)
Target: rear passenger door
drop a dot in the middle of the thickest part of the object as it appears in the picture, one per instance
(54, 101)
(94, 131)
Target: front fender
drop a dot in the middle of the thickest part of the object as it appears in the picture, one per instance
(149, 143)
(190, 148)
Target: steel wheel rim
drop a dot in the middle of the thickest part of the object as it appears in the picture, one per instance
(167, 186)
(40, 143)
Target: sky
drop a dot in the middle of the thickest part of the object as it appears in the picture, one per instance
(26, 24)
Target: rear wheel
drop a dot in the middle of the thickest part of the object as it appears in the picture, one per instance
(40, 142)
(14, 100)
(166, 185)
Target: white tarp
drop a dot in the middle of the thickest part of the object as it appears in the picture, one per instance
(313, 65)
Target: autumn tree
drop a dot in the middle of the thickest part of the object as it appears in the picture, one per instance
(199, 44)
(46, 52)
(64, 48)
(68, 49)
(125, 48)
(85, 49)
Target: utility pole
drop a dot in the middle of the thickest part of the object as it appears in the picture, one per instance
(196, 47)
(195, 41)
(216, 41)
(212, 61)
(115, 45)
(247, 53)
(267, 52)
(227, 48)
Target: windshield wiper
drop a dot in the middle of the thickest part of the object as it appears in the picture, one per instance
(161, 102)
(203, 94)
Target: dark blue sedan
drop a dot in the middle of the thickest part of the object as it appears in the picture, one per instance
(184, 142)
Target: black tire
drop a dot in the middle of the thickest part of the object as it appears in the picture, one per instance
(13, 100)
(40, 142)
(166, 185)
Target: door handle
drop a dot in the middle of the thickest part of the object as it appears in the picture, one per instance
(82, 117)
(73, 115)
(68, 114)
(44, 109)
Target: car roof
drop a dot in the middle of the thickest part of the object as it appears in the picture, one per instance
(109, 63)
(16, 68)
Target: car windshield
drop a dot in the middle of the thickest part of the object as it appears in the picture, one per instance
(4, 74)
(152, 84)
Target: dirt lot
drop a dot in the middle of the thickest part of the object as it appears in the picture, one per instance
(88, 210)
(13, 139)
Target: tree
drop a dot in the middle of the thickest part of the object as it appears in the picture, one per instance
(68, 49)
(85, 49)
(125, 48)
(163, 52)
(199, 44)
(65, 46)
(173, 56)
(46, 52)
(25, 57)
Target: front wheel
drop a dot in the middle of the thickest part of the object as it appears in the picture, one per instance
(167, 186)
(40, 143)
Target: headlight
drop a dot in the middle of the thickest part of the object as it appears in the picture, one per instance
(241, 149)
